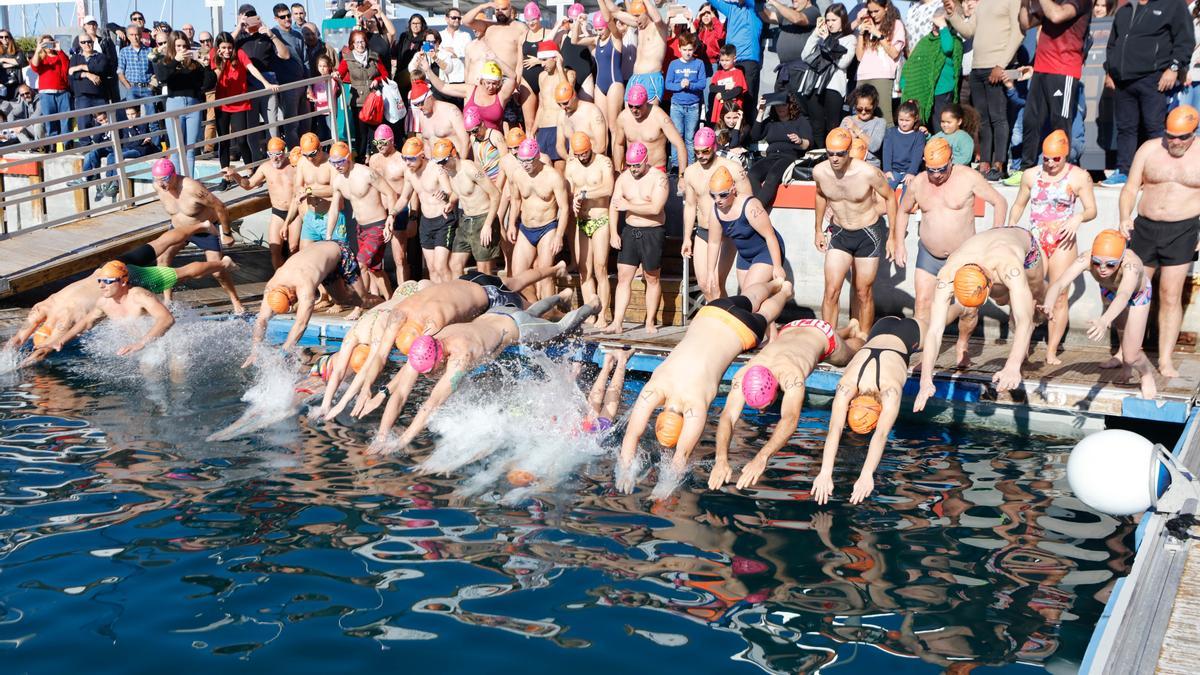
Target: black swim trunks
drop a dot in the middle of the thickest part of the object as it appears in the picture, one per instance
(642, 246)
(437, 232)
(1163, 244)
(498, 294)
(142, 256)
(739, 308)
(869, 242)
(347, 269)
(282, 213)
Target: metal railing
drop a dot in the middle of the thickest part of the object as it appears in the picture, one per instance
(40, 190)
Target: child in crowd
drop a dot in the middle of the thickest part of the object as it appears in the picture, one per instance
(863, 123)
(321, 96)
(728, 82)
(903, 146)
(685, 81)
(961, 143)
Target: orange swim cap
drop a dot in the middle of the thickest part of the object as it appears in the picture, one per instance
(720, 181)
(863, 414)
(358, 357)
(1056, 145)
(971, 285)
(294, 156)
(280, 299)
(339, 150)
(520, 478)
(668, 427)
(514, 137)
(1108, 244)
(276, 145)
(412, 147)
(114, 269)
(637, 7)
(1182, 120)
(42, 334)
(858, 148)
(838, 140)
(580, 143)
(309, 142)
(443, 148)
(410, 331)
(937, 153)
(564, 92)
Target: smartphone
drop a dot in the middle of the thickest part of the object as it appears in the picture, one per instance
(253, 21)
(427, 47)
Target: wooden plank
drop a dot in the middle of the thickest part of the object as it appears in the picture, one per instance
(1178, 655)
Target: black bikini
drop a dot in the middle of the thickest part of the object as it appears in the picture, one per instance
(909, 332)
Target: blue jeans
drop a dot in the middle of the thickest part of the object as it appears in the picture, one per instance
(51, 104)
(686, 119)
(92, 159)
(190, 125)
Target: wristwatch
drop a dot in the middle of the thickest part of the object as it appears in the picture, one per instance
(1174, 67)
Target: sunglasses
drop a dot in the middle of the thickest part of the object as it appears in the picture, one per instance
(381, 144)
(310, 155)
(1110, 264)
(338, 161)
(838, 153)
(864, 110)
(1052, 159)
(107, 281)
(205, 42)
(412, 159)
(281, 17)
(454, 18)
(276, 154)
(138, 18)
(86, 42)
(1180, 137)
(721, 195)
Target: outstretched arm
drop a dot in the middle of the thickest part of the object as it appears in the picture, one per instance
(441, 392)
(1065, 279)
(865, 485)
(823, 484)
(163, 320)
(1021, 305)
(933, 340)
(304, 310)
(789, 417)
(734, 403)
(401, 386)
(639, 417)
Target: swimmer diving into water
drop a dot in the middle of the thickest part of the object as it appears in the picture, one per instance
(686, 383)
(458, 349)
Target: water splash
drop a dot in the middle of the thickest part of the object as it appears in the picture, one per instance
(524, 417)
(9, 360)
(272, 397)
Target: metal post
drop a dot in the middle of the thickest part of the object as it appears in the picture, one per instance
(687, 291)
(182, 147)
(216, 20)
(333, 109)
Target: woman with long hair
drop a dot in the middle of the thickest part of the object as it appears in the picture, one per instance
(788, 136)
(12, 63)
(606, 49)
(828, 53)
(185, 80)
(407, 46)
(232, 67)
(881, 43)
(363, 70)
(710, 32)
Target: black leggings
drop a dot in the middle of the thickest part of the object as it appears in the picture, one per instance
(992, 104)
(363, 133)
(767, 174)
(233, 122)
(824, 110)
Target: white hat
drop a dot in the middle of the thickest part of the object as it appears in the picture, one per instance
(90, 19)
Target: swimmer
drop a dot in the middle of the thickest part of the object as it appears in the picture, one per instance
(686, 383)
(49, 320)
(438, 208)
(552, 80)
(643, 122)
(651, 47)
(743, 219)
(389, 164)
(1126, 291)
(858, 196)
(639, 201)
(1003, 263)
(478, 204)
(1060, 199)
(578, 116)
(435, 307)
(118, 300)
(436, 119)
(698, 213)
(870, 409)
(458, 349)
(604, 399)
(280, 178)
(590, 177)
(504, 38)
(538, 210)
(313, 190)
(783, 365)
(374, 206)
(293, 287)
(194, 210)
(1166, 231)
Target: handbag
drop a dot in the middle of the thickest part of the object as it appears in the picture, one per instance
(372, 110)
(393, 105)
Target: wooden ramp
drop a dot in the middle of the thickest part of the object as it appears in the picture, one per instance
(33, 258)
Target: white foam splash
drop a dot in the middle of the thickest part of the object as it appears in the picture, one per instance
(668, 478)
(518, 418)
(9, 360)
(271, 398)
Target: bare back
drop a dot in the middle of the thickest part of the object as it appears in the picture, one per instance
(692, 372)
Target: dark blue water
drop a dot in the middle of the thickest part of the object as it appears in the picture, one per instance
(128, 544)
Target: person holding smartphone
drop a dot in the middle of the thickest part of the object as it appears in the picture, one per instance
(51, 65)
(185, 80)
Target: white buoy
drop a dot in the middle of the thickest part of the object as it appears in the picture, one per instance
(1116, 472)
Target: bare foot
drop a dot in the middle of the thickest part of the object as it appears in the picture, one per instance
(1149, 389)
(1052, 359)
(238, 308)
(354, 314)
(962, 356)
(227, 239)
(228, 263)
(614, 328)
(560, 269)
(591, 320)
(1114, 362)
(651, 329)
(1167, 369)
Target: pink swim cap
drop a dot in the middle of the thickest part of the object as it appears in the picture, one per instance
(599, 22)
(705, 138)
(163, 168)
(532, 12)
(425, 353)
(472, 118)
(759, 387)
(635, 153)
(384, 133)
(636, 95)
(528, 149)
(575, 11)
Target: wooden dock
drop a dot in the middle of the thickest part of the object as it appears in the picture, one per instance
(32, 259)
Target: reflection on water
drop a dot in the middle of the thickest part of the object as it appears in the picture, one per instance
(123, 533)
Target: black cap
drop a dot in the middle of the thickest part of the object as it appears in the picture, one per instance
(247, 10)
